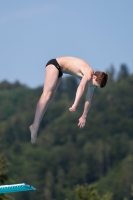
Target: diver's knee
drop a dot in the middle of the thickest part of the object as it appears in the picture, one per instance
(47, 95)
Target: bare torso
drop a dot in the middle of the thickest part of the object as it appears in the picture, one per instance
(74, 66)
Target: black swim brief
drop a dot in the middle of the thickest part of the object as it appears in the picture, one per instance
(55, 63)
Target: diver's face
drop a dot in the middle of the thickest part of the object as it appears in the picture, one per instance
(94, 82)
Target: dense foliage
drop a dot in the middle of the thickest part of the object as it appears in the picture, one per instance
(64, 155)
(4, 177)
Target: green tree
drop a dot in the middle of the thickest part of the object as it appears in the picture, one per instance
(89, 192)
(124, 72)
(65, 155)
(3, 176)
(71, 85)
(111, 74)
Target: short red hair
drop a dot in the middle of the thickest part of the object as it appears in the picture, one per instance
(101, 78)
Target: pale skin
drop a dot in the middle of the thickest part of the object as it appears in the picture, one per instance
(69, 65)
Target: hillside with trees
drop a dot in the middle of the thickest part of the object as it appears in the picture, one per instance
(66, 158)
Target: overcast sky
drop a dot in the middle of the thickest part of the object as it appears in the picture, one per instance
(34, 31)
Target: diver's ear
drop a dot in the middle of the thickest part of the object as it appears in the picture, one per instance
(94, 77)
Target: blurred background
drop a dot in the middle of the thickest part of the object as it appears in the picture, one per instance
(33, 32)
(67, 163)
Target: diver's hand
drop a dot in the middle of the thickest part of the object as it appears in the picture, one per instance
(82, 122)
(72, 108)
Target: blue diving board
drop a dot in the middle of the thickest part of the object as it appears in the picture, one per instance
(15, 188)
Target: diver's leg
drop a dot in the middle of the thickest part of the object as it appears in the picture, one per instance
(51, 83)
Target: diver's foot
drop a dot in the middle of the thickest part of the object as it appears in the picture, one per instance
(33, 134)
